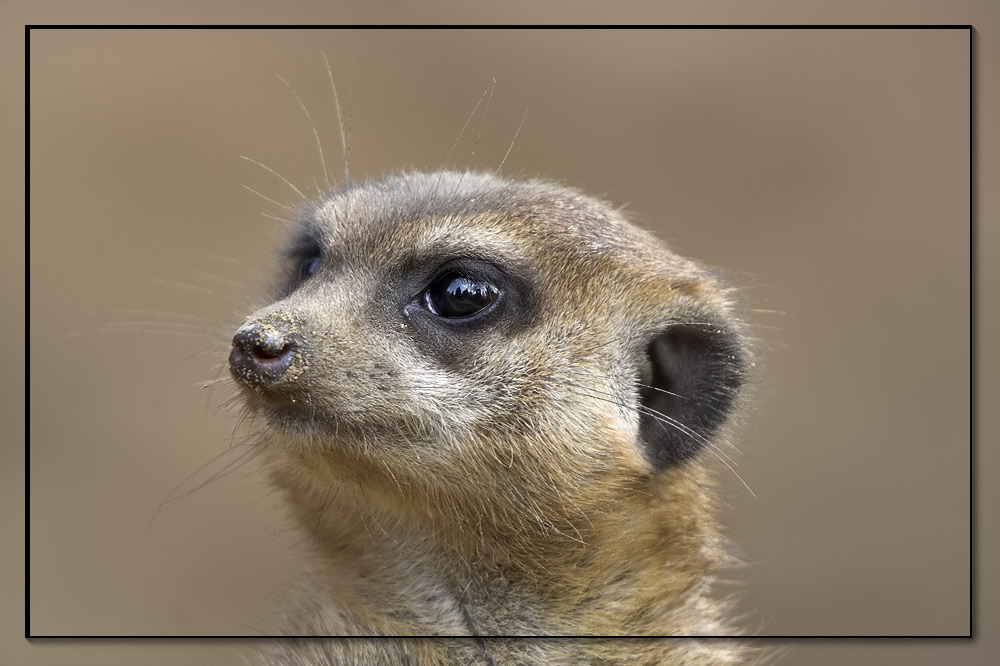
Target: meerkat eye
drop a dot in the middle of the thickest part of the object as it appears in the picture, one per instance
(455, 296)
(309, 266)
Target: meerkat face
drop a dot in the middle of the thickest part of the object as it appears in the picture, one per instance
(444, 317)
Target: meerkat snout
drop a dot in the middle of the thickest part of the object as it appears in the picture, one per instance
(263, 353)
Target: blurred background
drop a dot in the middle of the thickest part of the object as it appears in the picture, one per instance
(827, 171)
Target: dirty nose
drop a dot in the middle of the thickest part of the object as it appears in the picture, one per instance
(261, 354)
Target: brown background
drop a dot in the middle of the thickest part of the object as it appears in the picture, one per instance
(828, 171)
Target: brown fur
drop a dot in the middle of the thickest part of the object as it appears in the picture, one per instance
(508, 493)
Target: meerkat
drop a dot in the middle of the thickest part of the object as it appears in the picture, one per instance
(491, 405)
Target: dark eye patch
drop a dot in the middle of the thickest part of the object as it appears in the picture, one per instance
(303, 259)
(454, 306)
(308, 266)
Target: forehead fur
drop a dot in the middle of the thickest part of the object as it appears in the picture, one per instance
(418, 216)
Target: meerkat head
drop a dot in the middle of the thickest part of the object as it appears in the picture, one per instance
(463, 330)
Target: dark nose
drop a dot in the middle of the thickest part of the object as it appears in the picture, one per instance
(261, 354)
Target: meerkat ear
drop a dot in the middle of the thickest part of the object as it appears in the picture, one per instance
(687, 389)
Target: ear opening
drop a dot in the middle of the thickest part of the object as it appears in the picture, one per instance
(688, 389)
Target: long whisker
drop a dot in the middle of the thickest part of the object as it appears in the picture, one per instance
(461, 134)
(344, 151)
(657, 388)
(482, 120)
(173, 497)
(319, 144)
(479, 132)
(285, 220)
(350, 116)
(518, 132)
(269, 199)
(275, 173)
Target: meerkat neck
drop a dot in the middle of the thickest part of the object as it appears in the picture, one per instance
(509, 573)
